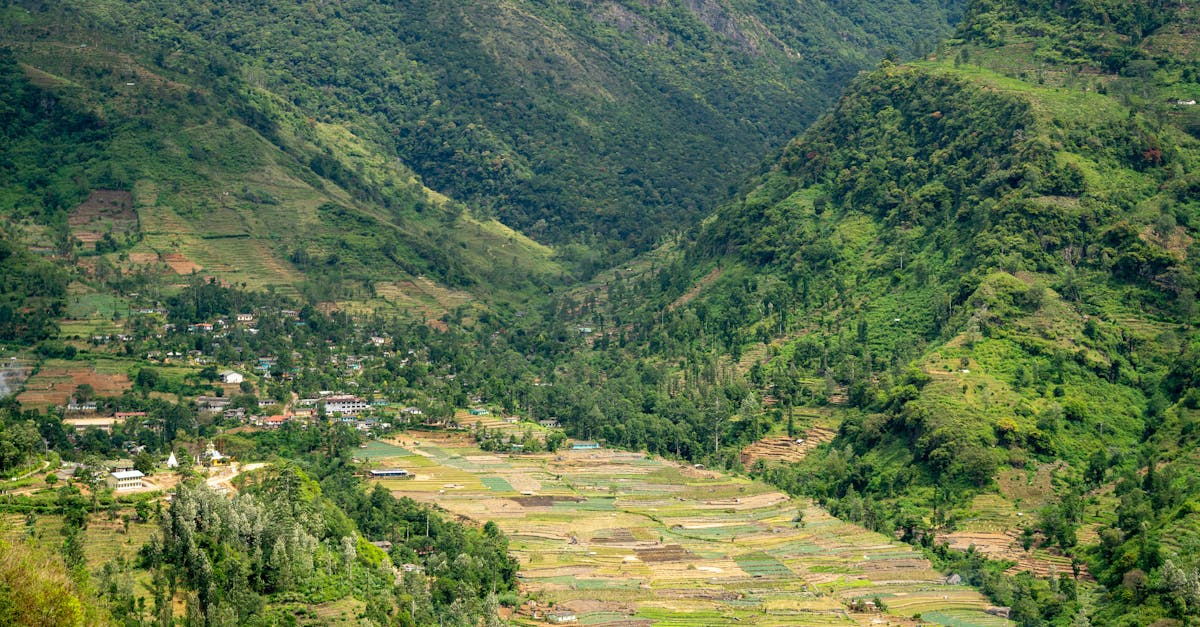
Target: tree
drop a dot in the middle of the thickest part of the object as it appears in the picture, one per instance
(144, 463)
(84, 392)
(146, 380)
(555, 440)
(91, 473)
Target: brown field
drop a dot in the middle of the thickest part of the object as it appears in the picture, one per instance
(785, 449)
(53, 386)
(177, 262)
(103, 211)
(144, 259)
(180, 264)
(1007, 546)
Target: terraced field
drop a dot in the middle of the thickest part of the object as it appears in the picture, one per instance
(626, 539)
(57, 379)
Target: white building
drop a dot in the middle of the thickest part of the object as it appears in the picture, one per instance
(230, 376)
(345, 405)
(125, 480)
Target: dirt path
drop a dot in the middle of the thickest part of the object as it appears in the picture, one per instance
(32, 472)
(224, 479)
(691, 294)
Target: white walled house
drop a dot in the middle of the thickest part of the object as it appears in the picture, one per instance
(345, 405)
(123, 480)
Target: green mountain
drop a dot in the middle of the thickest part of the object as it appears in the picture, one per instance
(600, 124)
(142, 174)
(982, 268)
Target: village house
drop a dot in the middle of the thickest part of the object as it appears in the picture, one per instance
(264, 403)
(238, 413)
(81, 407)
(125, 480)
(230, 376)
(80, 425)
(345, 404)
(274, 422)
(212, 404)
(122, 416)
(393, 473)
(245, 317)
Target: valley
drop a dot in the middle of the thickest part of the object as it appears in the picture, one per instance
(606, 312)
(623, 538)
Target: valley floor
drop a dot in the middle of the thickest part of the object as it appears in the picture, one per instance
(621, 538)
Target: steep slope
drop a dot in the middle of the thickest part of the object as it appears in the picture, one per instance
(985, 263)
(568, 121)
(216, 176)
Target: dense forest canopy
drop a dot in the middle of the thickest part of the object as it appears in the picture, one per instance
(567, 122)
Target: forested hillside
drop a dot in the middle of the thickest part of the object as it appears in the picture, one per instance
(982, 267)
(959, 308)
(568, 122)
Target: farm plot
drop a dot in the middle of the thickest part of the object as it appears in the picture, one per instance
(625, 539)
(56, 382)
(104, 212)
(785, 449)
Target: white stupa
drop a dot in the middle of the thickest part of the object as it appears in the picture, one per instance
(172, 462)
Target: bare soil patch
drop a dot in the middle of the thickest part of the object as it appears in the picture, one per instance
(104, 211)
(785, 449)
(1007, 546)
(668, 553)
(54, 386)
(544, 501)
(117, 205)
(180, 264)
(691, 294)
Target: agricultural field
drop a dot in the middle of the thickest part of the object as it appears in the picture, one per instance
(105, 537)
(625, 538)
(104, 212)
(784, 449)
(55, 382)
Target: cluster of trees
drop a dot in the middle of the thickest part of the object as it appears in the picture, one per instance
(525, 442)
(1079, 32)
(285, 537)
(32, 293)
(20, 442)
